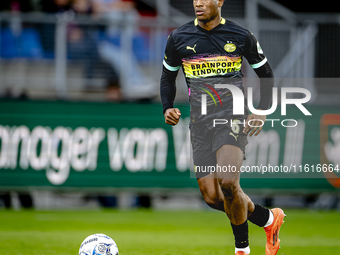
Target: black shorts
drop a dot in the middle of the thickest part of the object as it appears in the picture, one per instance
(207, 139)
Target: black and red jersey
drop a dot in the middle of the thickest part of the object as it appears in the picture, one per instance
(208, 57)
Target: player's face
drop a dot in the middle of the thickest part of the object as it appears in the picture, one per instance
(207, 10)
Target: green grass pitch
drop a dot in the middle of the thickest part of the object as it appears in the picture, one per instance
(161, 233)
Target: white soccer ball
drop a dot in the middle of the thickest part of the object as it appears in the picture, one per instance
(98, 244)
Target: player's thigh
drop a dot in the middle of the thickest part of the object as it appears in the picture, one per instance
(230, 155)
(229, 145)
(229, 159)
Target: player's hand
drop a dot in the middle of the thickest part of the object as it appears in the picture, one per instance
(172, 116)
(250, 130)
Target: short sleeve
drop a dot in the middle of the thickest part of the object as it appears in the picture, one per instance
(254, 53)
(172, 60)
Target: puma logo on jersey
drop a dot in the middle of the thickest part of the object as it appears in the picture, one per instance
(232, 134)
(192, 48)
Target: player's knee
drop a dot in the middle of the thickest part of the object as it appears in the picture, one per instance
(229, 187)
(212, 200)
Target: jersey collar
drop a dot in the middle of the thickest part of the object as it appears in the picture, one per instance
(221, 22)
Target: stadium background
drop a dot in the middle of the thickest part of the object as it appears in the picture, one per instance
(81, 123)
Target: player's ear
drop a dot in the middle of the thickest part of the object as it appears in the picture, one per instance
(220, 3)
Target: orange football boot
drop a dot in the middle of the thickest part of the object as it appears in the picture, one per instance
(241, 253)
(272, 232)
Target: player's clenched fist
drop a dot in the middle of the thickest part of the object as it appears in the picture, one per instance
(172, 116)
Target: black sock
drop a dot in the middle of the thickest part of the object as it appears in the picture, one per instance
(241, 235)
(260, 216)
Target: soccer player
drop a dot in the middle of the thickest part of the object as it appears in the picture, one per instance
(210, 50)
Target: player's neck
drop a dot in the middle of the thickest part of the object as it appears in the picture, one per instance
(211, 24)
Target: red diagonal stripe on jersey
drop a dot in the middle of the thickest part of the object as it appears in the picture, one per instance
(213, 90)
